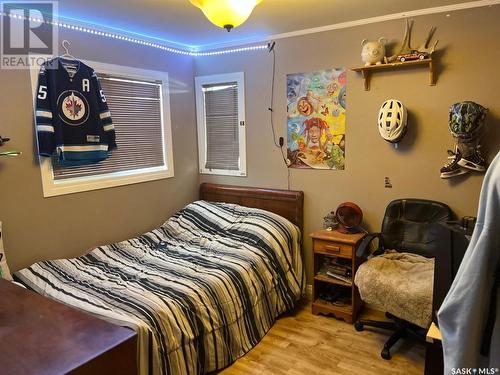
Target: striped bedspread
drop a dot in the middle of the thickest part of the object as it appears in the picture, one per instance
(201, 290)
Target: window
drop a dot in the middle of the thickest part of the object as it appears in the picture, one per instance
(139, 103)
(221, 124)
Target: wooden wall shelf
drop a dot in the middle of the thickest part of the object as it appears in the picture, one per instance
(366, 71)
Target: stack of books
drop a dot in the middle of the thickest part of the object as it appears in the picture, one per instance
(337, 270)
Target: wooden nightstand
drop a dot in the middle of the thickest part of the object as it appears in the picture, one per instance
(335, 251)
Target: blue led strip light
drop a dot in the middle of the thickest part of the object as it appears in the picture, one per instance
(136, 40)
(231, 50)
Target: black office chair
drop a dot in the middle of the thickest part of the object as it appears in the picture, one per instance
(409, 226)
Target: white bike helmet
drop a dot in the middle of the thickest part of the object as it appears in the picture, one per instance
(392, 120)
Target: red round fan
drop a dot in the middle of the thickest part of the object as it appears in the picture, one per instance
(349, 217)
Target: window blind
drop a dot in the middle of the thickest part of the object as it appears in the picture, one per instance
(221, 119)
(137, 111)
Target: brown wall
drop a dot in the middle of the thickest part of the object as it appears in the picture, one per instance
(42, 228)
(38, 228)
(466, 62)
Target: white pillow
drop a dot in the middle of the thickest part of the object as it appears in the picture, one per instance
(4, 268)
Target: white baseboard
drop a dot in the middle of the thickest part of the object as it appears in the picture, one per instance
(309, 292)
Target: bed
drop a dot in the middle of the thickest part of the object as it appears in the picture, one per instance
(202, 289)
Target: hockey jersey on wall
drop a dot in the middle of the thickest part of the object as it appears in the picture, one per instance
(72, 116)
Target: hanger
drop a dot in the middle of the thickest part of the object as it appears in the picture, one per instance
(65, 44)
(11, 153)
(8, 153)
(3, 140)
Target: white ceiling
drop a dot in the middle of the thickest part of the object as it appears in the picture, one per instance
(180, 23)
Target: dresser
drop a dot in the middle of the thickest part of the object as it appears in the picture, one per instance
(44, 337)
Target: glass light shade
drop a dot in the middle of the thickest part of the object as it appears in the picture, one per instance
(226, 13)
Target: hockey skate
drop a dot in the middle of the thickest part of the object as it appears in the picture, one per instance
(474, 161)
(453, 168)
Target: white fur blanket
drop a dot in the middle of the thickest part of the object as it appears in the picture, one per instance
(399, 283)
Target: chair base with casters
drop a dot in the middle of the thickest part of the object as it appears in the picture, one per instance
(400, 327)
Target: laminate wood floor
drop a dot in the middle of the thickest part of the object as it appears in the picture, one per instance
(301, 343)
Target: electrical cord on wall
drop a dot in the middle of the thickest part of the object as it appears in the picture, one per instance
(280, 143)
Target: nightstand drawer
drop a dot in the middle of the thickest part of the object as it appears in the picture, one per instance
(333, 248)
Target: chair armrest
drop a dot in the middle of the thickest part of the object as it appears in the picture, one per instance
(364, 248)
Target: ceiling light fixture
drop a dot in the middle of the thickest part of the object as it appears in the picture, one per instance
(226, 14)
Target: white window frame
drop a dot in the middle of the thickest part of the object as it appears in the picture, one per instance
(238, 77)
(75, 185)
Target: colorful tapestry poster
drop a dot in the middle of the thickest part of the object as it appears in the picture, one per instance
(316, 119)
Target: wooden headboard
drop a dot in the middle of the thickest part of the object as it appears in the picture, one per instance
(286, 203)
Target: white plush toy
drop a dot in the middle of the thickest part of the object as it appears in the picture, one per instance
(373, 52)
